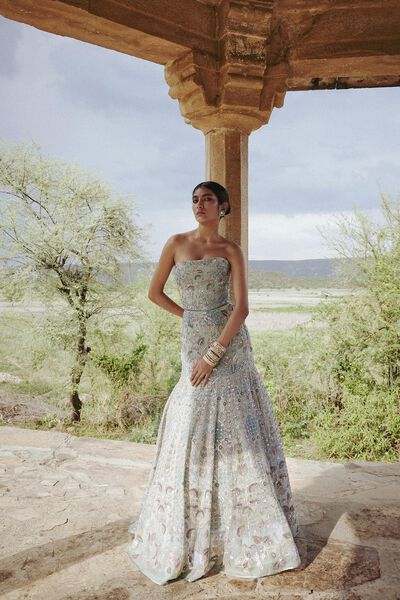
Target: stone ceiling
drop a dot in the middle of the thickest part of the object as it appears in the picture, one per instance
(322, 43)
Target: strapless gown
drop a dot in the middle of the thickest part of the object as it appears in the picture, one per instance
(218, 496)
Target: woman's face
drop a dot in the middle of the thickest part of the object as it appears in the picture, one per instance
(205, 205)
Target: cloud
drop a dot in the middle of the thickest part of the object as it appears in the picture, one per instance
(98, 79)
(296, 236)
(328, 149)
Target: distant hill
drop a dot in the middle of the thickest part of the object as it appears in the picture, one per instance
(307, 273)
(312, 267)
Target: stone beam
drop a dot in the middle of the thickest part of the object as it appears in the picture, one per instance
(342, 44)
(326, 29)
(355, 68)
(155, 30)
(339, 73)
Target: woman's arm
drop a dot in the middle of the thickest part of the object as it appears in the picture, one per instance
(161, 273)
(240, 293)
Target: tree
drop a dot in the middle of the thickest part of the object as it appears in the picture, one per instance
(64, 234)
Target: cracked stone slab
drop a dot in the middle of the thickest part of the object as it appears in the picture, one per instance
(331, 565)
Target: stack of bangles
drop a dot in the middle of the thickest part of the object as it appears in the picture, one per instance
(214, 353)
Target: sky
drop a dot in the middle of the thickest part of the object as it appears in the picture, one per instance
(320, 154)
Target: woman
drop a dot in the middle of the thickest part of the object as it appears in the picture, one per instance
(218, 497)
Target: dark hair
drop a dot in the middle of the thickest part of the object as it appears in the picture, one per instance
(219, 191)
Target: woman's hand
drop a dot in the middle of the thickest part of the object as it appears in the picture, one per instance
(200, 372)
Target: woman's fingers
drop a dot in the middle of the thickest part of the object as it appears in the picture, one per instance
(193, 377)
(199, 378)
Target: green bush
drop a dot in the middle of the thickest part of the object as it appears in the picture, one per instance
(124, 369)
(367, 427)
(285, 362)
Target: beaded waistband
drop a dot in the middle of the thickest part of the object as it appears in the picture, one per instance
(209, 307)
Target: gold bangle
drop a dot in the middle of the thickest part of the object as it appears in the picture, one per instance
(211, 357)
(219, 344)
(214, 353)
(208, 361)
(219, 348)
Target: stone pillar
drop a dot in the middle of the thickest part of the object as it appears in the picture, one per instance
(227, 163)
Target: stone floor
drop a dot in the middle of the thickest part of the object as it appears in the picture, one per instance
(66, 503)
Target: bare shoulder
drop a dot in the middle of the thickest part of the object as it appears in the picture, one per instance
(174, 240)
(173, 243)
(180, 237)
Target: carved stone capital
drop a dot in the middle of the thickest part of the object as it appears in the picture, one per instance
(239, 88)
